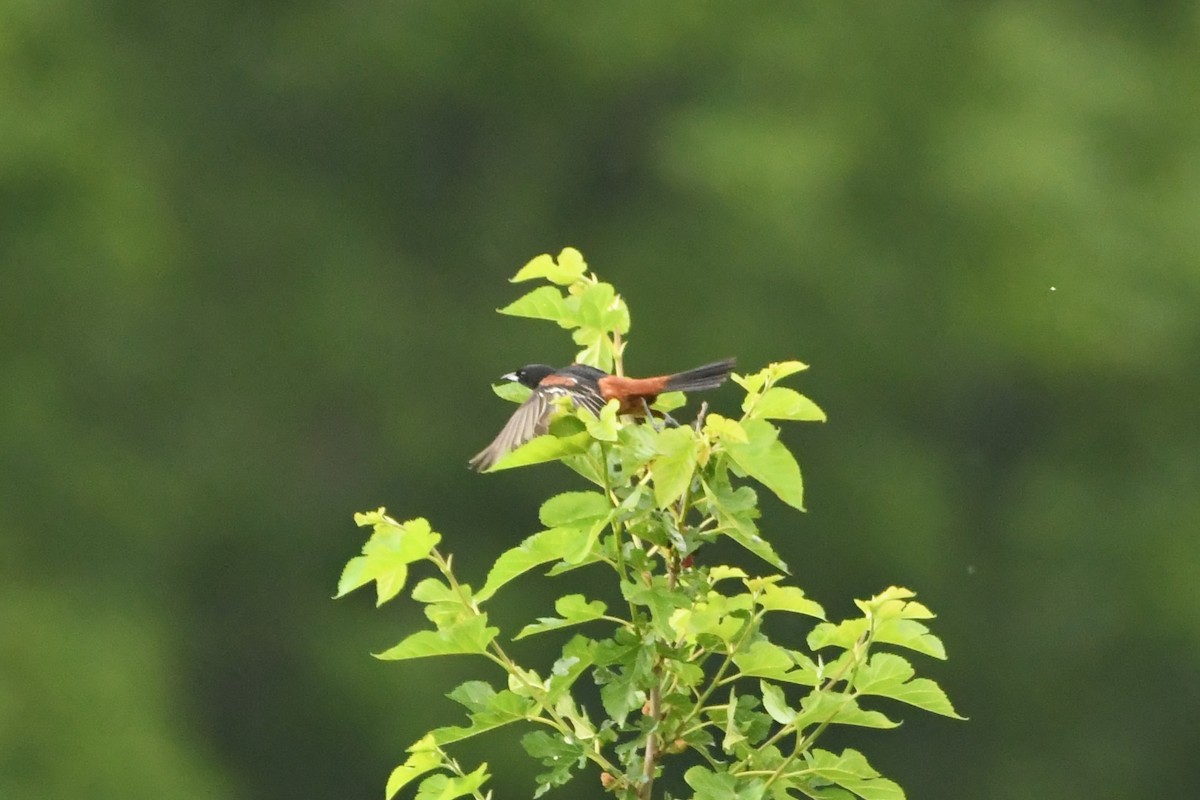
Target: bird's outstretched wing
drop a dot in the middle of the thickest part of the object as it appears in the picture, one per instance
(530, 420)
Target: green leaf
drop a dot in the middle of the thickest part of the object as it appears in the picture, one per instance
(574, 508)
(736, 511)
(710, 785)
(544, 302)
(660, 597)
(768, 461)
(551, 545)
(423, 756)
(470, 637)
(842, 634)
(889, 675)
(544, 448)
(602, 310)
(575, 610)
(637, 445)
(489, 710)
(766, 660)
(721, 572)
(751, 383)
(884, 672)
(620, 696)
(448, 787)
(669, 401)
(597, 348)
(555, 752)
(719, 428)
(444, 606)
(604, 427)
(789, 598)
(577, 656)
(733, 734)
(782, 403)
(674, 466)
(387, 554)
(911, 634)
(512, 391)
(569, 268)
(818, 708)
(851, 771)
(715, 615)
(778, 370)
(775, 703)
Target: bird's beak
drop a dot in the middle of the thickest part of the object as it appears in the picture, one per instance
(510, 376)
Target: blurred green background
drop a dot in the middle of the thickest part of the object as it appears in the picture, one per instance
(249, 258)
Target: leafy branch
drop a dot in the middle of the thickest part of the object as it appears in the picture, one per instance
(687, 671)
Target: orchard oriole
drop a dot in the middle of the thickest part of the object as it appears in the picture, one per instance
(591, 388)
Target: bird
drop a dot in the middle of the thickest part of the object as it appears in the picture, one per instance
(590, 388)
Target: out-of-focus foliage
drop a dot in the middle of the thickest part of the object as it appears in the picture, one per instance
(247, 253)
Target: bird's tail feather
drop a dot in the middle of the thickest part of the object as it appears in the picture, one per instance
(709, 376)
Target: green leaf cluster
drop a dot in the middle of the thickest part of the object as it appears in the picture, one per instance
(687, 664)
(591, 309)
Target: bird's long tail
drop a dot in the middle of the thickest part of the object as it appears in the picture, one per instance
(710, 376)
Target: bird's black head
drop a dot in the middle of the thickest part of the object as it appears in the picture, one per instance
(529, 375)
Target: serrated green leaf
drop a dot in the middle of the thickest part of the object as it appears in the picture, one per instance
(358, 571)
(597, 348)
(489, 710)
(674, 466)
(660, 597)
(842, 634)
(560, 756)
(712, 616)
(751, 383)
(735, 511)
(779, 370)
(820, 707)
(883, 672)
(764, 659)
(769, 462)
(775, 704)
(470, 637)
(889, 675)
(542, 449)
(550, 545)
(512, 391)
(569, 268)
(733, 735)
(574, 509)
(387, 554)
(782, 403)
(911, 634)
(575, 610)
(789, 598)
(578, 655)
(636, 447)
(721, 572)
(602, 428)
(710, 785)
(669, 401)
(544, 302)
(587, 511)
(423, 757)
(448, 787)
(602, 310)
(851, 771)
(719, 428)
